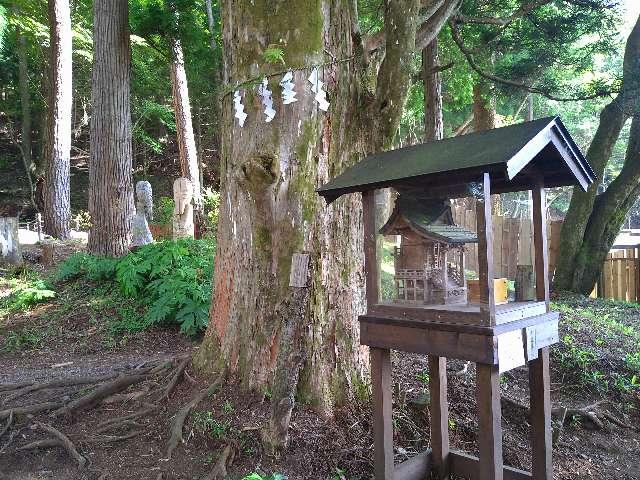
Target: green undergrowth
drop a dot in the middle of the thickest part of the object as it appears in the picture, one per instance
(164, 283)
(599, 345)
(23, 290)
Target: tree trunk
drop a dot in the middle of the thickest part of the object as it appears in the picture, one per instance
(211, 24)
(609, 212)
(612, 119)
(110, 184)
(433, 125)
(484, 107)
(26, 147)
(57, 200)
(184, 126)
(269, 207)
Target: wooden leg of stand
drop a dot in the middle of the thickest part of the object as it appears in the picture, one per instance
(382, 413)
(489, 422)
(439, 415)
(540, 399)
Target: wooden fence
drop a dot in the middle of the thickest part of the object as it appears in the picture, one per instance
(512, 242)
(620, 277)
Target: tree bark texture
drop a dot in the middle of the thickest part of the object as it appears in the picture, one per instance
(571, 259)
(269, 207)
(110, 183)
(433, 124)
(484, 107)
(25, 104)
(184, 126)
(57, 199)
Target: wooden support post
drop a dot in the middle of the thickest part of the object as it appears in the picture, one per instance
(489, 426)
(485, 252)
(370, 252)
(541, 255)
(439, 415)
(382, 413)
(540, 416)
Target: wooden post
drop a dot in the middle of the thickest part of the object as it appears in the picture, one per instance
(489, 427)
(541, 256)
(370, 254)
(485, 252)
(439, 415)
(382, 413)
(540, 416)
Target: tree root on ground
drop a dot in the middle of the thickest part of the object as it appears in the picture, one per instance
(180, 417)
(219, 470)
(66, 443)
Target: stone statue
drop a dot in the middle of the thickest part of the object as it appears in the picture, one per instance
(144, 212)
(183, 211)
(10, 251)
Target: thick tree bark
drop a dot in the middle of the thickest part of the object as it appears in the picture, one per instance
(612, 119)
(609, 212)
(184, 127)
(110, 184)
(57, 200)
(484, 107)
(433, 124)
(269, 208)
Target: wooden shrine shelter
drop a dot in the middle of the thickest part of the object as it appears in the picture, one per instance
(429, 264)
(527, 156)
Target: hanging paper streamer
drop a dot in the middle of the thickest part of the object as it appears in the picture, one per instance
(288, 92)
(316, 87)
(267, 100)
(239, 108)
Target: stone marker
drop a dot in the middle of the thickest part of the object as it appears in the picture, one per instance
(10, 252)
(183, 211)
(141, 234)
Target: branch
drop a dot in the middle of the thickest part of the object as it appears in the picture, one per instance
(502, 22)
(513, 83)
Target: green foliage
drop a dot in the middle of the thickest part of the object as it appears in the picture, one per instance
(273, 54)
(25, 294)
(29, 337)
(169, 281)
(211, 201)
(206, 423)
(163, 211)
(257, 476)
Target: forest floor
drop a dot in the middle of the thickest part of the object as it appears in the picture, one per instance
(76, 335)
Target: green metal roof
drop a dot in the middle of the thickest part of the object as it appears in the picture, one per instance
(430, 218)
(503, 151)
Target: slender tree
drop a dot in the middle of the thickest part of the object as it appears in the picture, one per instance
(57, 200)
(593, 221)
(187, 151)
(432, 81)
(110, 184)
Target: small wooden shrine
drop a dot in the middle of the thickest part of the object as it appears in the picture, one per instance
(497, 337)
(429, 263)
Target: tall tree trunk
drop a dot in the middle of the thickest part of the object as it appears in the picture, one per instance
(433, 124)
(26, 148)
(57, 200)
(484, 107)
(269, 208)
(609, 212)
(612, 119)
(184, 126)
(110, 184)
(211, 23)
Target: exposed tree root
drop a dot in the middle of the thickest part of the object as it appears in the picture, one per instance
(148, 408)
(30, 409)
(177, 376)
(7, 387)
(66, 443)
(219, 470)
(57, 383)
(100, 393)
(178, 420)
(9, 422)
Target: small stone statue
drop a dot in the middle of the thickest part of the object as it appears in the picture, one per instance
(183, 211)
(144, 212)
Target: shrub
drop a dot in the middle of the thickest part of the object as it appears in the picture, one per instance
(163, 211)
(27, 294)
(171, 280)
(211, 203)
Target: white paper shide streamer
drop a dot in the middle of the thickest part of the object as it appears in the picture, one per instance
(239, 108)
(316, 87)
(267, 100)
(288, 92)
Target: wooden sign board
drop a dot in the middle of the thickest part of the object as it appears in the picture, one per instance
(539, 336)
(517, 347)
(299, 270)
(510, 350)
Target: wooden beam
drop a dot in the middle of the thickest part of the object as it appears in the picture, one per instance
(466, 466)
(370, 248)
(399, 311)
(416, 468)
(439, 407)
(382, 413)
(540, 416)
(489, 427)
(541, 250)
(485, 252)
(463, 346)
